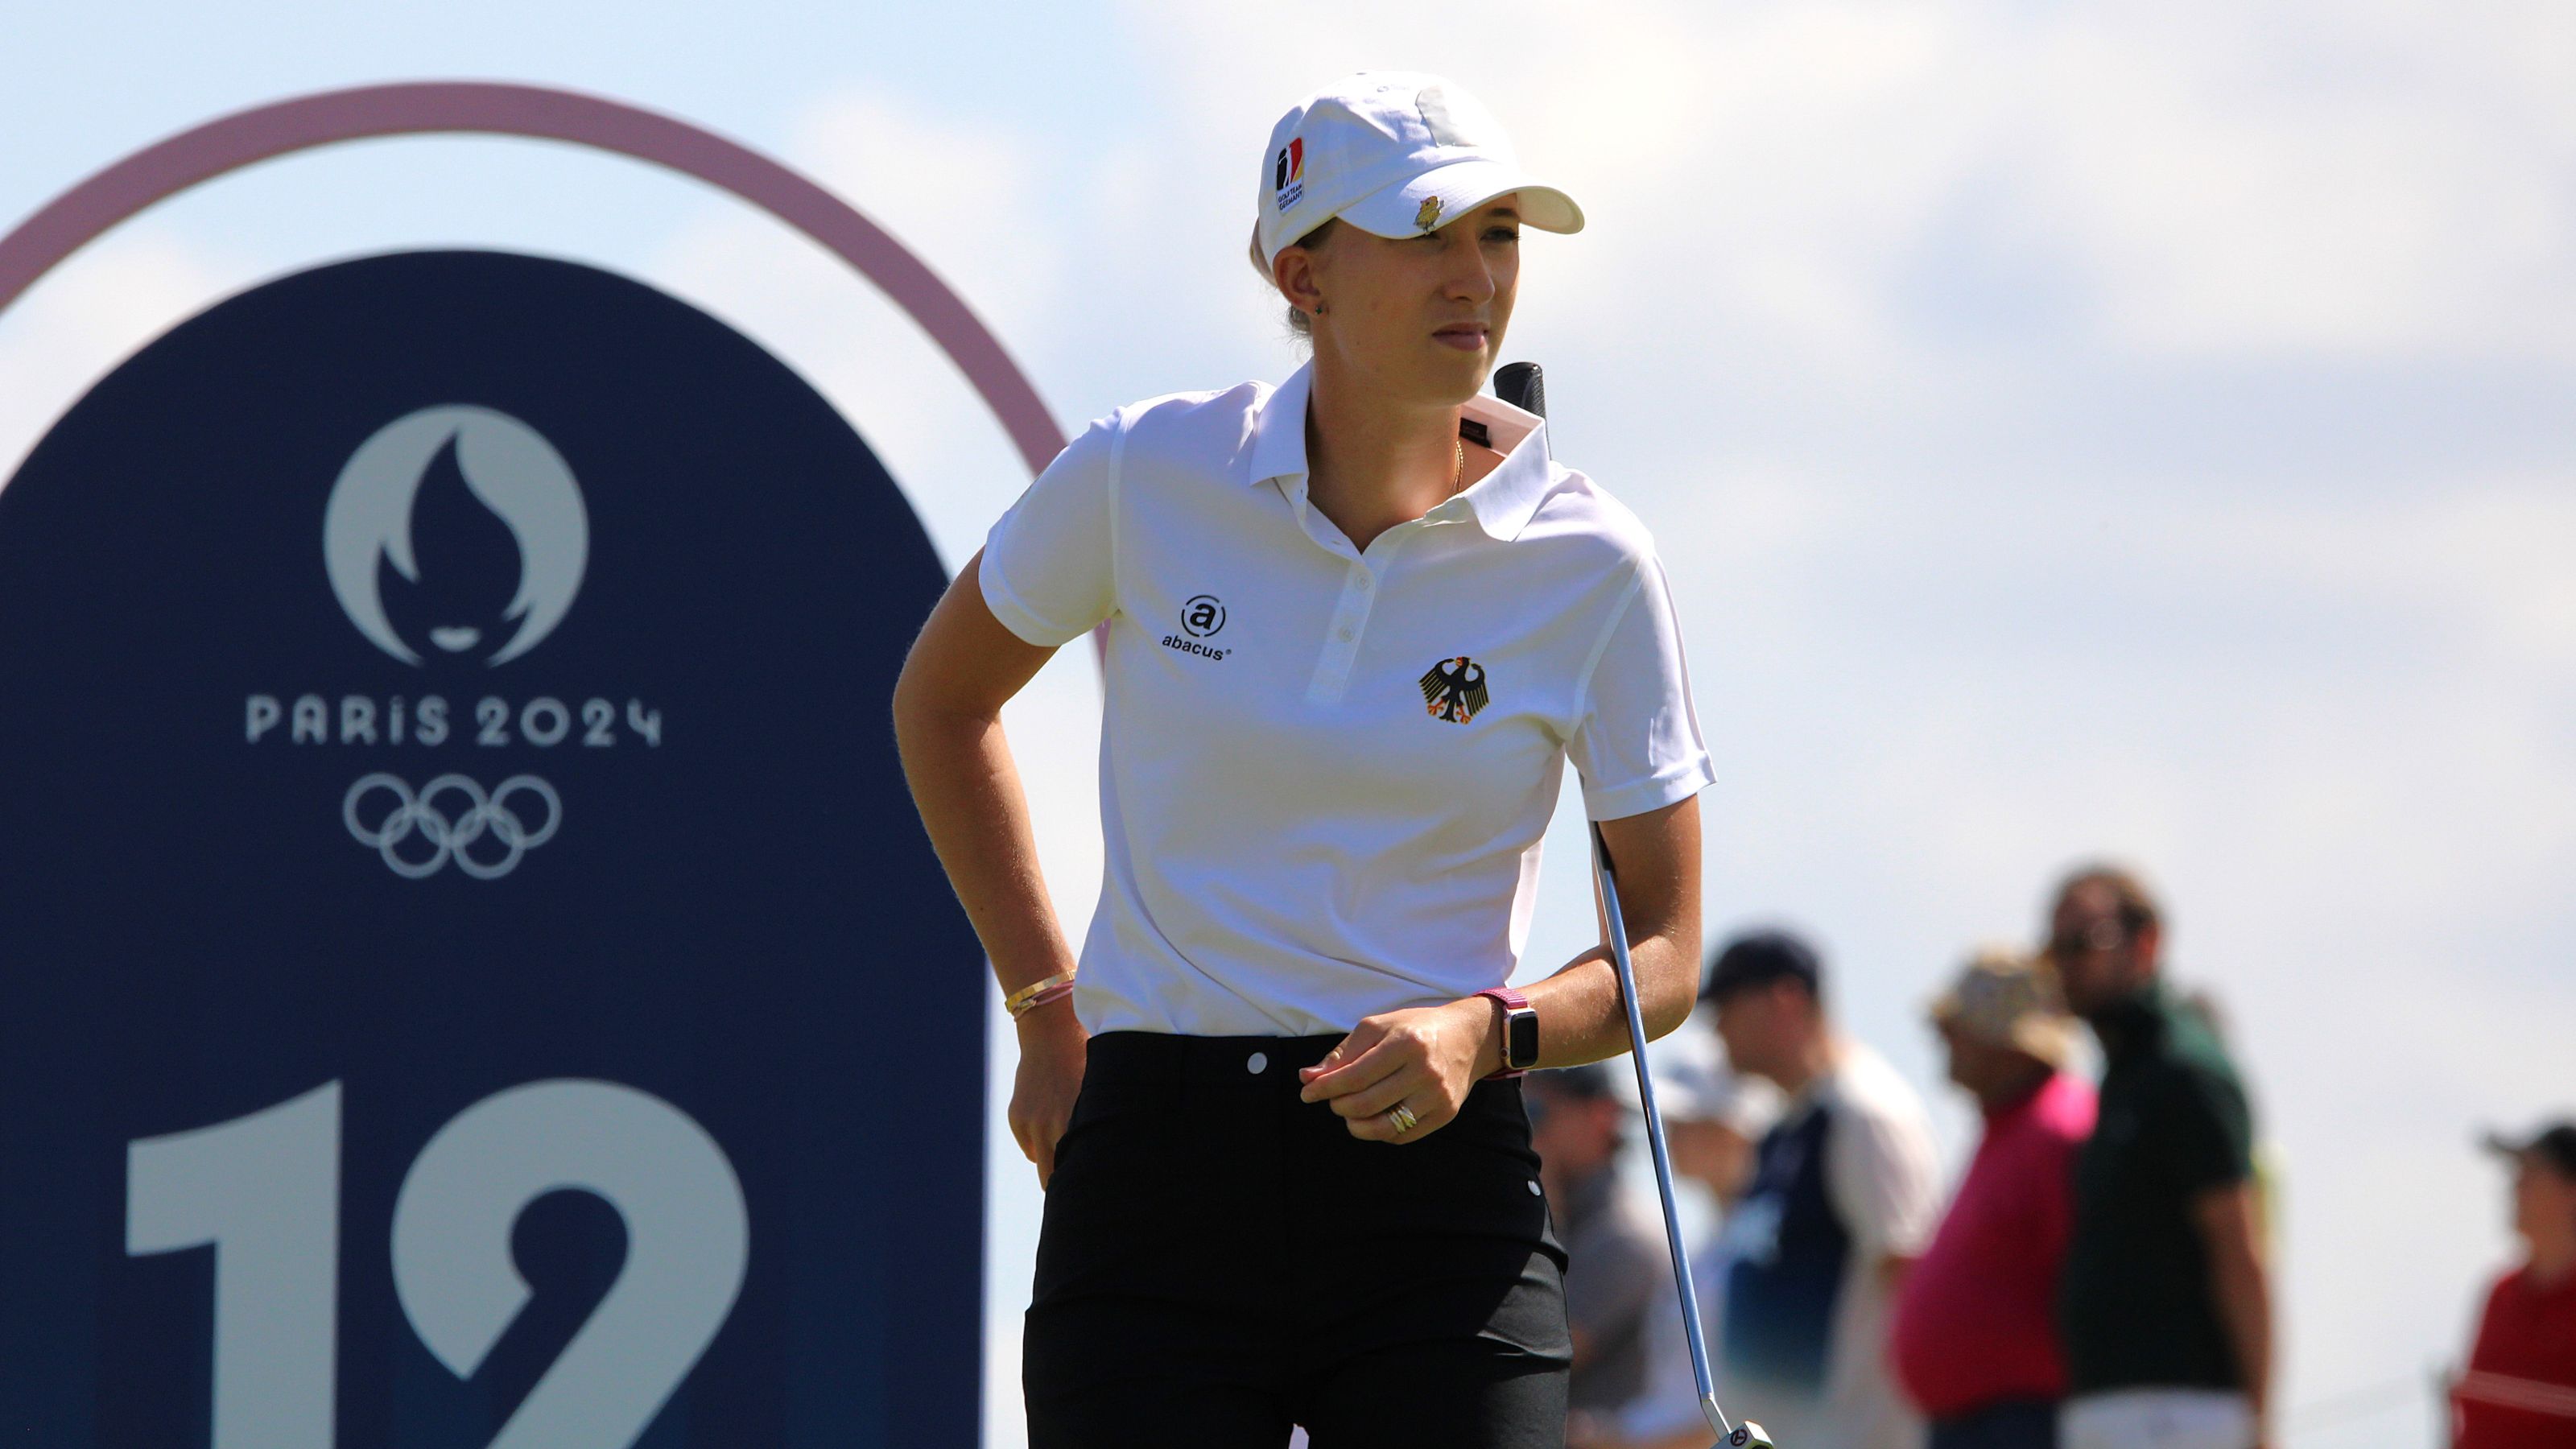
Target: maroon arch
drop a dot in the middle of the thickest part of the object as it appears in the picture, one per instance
(71, 220)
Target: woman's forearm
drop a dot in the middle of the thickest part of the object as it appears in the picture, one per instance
(948, 728)
(967, 787)
(1580, 1015)
(1581, 1018)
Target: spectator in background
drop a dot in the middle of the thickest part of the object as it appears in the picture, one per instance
(1843, 1197)
(1976, 1323)
(2520, 1388)
(2203, 1003)
(2165, 1302)
(1615, 1259)
(1713, 1120)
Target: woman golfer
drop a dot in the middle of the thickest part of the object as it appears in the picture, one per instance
(1357, 624)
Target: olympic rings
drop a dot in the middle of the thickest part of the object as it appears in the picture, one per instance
(448, 838)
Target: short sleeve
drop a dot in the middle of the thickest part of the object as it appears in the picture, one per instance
(1637, 743)
(2206, 1131)
(1882, 1170)
(1050, 569)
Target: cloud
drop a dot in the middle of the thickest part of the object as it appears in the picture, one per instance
(2114, 430)
(2345, 183)
(86, 316)
(2315, 180)
(966, 186)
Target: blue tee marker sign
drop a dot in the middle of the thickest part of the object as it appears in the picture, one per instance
(473, 975)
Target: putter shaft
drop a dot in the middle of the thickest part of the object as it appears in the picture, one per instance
(1522, 385)
(1605, 880)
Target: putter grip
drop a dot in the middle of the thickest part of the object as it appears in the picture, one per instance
(1520, 384)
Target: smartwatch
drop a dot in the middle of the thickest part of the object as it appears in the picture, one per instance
(1520, 1031)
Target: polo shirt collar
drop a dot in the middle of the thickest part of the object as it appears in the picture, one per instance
(1505, 499)
(1502, 502)
(1279, 431)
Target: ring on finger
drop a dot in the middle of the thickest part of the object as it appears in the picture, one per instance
(1401, 1118)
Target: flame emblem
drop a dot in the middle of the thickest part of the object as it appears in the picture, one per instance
(464, 520)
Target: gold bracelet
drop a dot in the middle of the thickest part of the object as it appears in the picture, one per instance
(1019, 1002)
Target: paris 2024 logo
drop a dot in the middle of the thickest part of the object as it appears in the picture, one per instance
(456, 537)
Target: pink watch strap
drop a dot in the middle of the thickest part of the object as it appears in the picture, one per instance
(1512, 1001)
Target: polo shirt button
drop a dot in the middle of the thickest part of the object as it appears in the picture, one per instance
(1363, 583)
(1257, 1063)
(1346, 634)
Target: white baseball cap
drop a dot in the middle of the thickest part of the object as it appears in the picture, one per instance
(1694, 1084)
(1397, 153)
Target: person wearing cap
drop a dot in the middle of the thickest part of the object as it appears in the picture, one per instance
(1844, 1196)
(2164, 1304)
(1353, 629)
(1615, 1258)
(2519, 1389)
(1975, 1338)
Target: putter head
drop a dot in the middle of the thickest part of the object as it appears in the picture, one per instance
(1749, 1435)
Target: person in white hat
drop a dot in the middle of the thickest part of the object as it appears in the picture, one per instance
(1356, 625)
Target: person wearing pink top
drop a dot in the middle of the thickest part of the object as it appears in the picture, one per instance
(1974, 1339)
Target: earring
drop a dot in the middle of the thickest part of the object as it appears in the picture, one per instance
(1319, 309)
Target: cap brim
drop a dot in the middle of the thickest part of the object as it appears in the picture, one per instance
(1400, 210)
(2048, 1039)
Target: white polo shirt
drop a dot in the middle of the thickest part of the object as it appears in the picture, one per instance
(1324, 773)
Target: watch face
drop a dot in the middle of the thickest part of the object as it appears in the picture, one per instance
(1521, 1042)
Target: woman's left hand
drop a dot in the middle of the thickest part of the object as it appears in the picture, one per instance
(1427, 1059)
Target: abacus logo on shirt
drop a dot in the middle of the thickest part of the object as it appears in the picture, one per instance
(1202, 615)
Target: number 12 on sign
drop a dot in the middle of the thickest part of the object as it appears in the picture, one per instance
(263, 1191)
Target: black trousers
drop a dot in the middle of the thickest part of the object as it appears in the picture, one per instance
(1220, 1261)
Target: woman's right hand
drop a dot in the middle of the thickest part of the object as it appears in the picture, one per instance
(1053, 1047)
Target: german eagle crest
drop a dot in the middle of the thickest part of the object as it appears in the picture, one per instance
(1454, 689)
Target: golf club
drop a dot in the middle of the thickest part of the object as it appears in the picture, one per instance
(1520, 384)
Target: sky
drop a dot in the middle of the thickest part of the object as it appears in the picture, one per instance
(2132, 429)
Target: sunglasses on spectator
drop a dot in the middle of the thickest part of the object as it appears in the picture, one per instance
(2100, 936)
